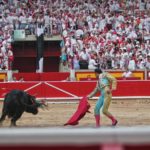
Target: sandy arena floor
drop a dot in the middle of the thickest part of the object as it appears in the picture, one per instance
(128, 113)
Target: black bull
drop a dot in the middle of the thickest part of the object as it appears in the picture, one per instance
(16, 102)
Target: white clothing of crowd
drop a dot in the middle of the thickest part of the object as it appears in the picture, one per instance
(110, 34)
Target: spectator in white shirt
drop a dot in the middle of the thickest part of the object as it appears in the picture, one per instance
(92, 63)
(132, 64)
(147, 64)
(141, 63)
(127, 73)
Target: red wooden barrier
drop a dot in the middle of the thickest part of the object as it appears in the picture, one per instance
(75, 89)
(52, 76)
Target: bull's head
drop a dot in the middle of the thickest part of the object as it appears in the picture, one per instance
(32, 105)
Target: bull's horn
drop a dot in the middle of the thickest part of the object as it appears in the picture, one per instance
(44, 104)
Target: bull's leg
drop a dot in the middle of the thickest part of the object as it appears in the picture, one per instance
(14, 119)
(13, 123)
(4, 113)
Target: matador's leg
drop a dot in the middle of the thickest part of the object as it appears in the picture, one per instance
(107, 101)
(97, 108)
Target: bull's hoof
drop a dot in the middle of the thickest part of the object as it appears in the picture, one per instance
(1, 124)
(12, 125)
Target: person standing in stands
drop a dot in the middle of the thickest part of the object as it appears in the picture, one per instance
(105, 84)
(127, 73)
(10, 57)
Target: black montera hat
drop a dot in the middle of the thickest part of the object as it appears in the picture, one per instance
(98, 71)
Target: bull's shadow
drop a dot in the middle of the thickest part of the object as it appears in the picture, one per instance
(16, 102)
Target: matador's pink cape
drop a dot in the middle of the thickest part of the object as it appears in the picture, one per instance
(82, 109)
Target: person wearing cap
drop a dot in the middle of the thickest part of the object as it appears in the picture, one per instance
(105, 84)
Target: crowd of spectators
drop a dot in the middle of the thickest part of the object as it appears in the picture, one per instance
(110, 34)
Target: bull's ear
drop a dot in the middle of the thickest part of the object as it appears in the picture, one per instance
(26, 93)
(33, 97)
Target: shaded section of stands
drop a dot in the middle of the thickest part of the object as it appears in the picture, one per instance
(25, 54)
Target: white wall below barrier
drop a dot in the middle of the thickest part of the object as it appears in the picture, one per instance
(110, 138)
